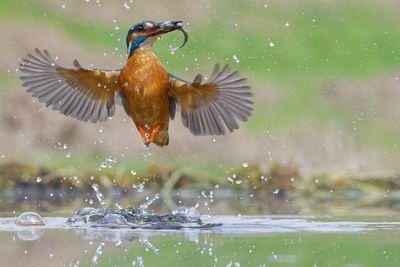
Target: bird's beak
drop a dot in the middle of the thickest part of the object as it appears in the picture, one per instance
(165, 27)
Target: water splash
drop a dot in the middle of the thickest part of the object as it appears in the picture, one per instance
(99, 195)
(146, 204)
(191, 214)
(29, 219)
(149, 245)
(99, 252)
(185, 217)
(113, 219)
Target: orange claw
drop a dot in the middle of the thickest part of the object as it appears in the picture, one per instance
(143, 133)
(146, 137)
(154, 133)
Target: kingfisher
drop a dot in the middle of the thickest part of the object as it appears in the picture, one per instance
(149, 94)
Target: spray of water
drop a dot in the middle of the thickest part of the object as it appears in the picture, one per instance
(99, 195)
(150, 201)
(98, 253)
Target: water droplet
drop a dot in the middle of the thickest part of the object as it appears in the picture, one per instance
(276, 191)
(140, 188)
(111, 159)
(103, 165)
(245, 164)
(147, 203)
(29, 218)
(271, 44)
(236, 58)
(150, 246)
(38, 179)
(126, 5)
(98, 253)
(133, 172)
(99, 195)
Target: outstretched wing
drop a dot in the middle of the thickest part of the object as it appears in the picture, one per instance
(79, 93)
(211, 108)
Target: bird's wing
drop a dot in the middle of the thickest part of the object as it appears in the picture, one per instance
(84, 94)
(212, 107)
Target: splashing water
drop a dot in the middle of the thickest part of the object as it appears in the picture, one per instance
(29, 219)
(99, 252)
(189, 213)
(150, 201)
(99, 195)
(118, 206)
(184, 217)
(149, 245)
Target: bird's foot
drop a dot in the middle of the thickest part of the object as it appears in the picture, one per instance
(154, 133)
(148, 137)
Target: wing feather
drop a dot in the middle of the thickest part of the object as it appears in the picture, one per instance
(214, 107)
(84, 94)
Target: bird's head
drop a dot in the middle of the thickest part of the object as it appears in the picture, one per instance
(145, 33)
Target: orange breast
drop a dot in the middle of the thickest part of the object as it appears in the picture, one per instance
(145, 85)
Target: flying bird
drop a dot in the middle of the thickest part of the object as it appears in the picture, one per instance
(149, 94)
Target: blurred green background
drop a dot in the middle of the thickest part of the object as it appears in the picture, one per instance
(324, 76)
(323, 138)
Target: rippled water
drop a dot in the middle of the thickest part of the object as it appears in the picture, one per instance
(156, 234)
(232, 241)
(225, 225)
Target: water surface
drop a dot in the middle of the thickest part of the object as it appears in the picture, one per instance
(239, 241)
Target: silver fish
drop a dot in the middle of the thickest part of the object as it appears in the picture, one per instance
(186, 35)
